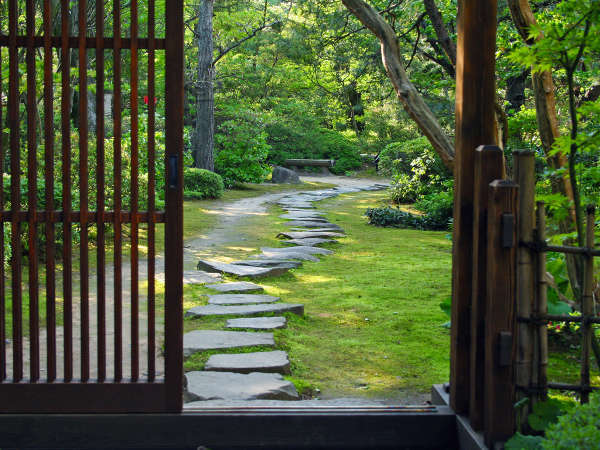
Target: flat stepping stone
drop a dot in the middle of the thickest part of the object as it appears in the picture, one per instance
(280, 263)
(308, 216)
(202, 340)
(271, 362)
(318, 230)
(310, 241)
(240, 271)
(299, 249)
(311, 224)
(193, 277)
(305, 234)
(236, 287)
(257, 323)
(289, 255)
(235, 386)
(241, 299)
(245, 310)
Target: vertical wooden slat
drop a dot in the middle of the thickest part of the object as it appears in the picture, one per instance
(134, 195)
(49, 179)
(174, 207)
(100, 199)
(2, 255)
(83, 194)
(151, 189)
(117, 200)
(34, 318)
(66, 200)
(540, 349)
(500, 346)
(587, 307)
(524, 175)
(15, 159)
(488, 167)
(475, 94)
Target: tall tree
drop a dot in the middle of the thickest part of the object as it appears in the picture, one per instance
(394, 65)
(203, 137)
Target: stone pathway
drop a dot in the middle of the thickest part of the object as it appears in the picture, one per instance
(258, 375)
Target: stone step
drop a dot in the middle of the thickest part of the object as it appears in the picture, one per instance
(277, 263)
(276, 361)
(236, 287)
(298, 249)
(240, 271)
(310, 234)
(235, 386)
(318, 230)
(309, 241)
(288, 255)
(257, 323)
(193, 277)
(244, 310)
(315, 216)
(310, 224)
(202, 340)
(241, 299)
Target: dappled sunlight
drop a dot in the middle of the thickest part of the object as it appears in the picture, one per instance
(313, 279)
(242, 249)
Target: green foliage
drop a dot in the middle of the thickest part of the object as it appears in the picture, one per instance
(547, 413)
(242, 150)
(557, 267)
(199, 184)
(577, 429)
(524, 442)
(438, 207)
(393, 217)
(417, 169)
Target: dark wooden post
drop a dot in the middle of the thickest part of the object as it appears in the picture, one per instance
(489, 166)
(475, 125)
(524, 174)
(500, 345)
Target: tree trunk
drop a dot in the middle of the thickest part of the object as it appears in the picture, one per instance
(203, 138)
(412, 101)
(547, 119)
(515, 91)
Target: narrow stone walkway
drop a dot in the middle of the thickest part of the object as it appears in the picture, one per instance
(258, 375)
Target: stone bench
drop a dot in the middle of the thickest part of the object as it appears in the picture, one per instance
(324, 164)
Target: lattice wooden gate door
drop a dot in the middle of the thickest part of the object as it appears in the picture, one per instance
(91, 165)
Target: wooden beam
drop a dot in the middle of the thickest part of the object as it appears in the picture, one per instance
(475, 126)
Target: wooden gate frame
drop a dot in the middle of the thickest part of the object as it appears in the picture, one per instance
(151, 394)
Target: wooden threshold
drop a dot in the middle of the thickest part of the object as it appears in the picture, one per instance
(408, 427)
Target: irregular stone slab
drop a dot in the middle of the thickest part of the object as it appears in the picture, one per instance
(299, 249)
(240, 271)
(282, 263)
(311, 217)
(236, 287)
(244, 310)
(289, 255)
(257, 323)
(312, 224)
(317, 230)
(305, 234)
(310, 241)
(283, 175)
(235, 386)
(271, 362)
(193, 277)
(202, 340)
(240, 299)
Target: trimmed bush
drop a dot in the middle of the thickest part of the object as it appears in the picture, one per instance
(438, 208)
(199, 184)
(392, 217)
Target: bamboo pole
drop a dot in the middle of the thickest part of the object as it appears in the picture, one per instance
(587, 308)
(524, 174)
(539, 375)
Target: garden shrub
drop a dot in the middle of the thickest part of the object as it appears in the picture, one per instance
(199, 184)
(393, 217)
(241, 151)
(438, 207)
(578, 428)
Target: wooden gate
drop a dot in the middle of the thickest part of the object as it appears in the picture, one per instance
(86, 189)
